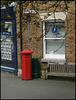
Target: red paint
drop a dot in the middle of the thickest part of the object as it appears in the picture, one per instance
(26, 63)
(71, 37)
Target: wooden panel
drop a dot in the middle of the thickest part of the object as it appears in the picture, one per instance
(61, 74)
(61, 69)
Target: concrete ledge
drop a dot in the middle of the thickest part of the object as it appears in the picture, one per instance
(53, 60)
(19, 72)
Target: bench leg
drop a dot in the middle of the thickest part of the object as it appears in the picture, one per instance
(44, 74)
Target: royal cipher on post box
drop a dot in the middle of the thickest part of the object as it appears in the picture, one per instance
(26, 63)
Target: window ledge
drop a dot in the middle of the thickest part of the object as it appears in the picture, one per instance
(53, 60)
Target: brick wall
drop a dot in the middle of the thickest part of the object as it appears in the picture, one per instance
(70, 35)
(36, 44)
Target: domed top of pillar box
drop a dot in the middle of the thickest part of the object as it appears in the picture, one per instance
(26, 51)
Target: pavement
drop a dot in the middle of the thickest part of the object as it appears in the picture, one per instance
(13, 87)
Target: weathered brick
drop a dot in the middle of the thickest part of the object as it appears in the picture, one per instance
(37, 45)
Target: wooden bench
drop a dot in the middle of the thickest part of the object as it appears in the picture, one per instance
(59, 69)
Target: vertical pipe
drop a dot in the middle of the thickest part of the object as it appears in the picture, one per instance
(28, 37)
(20, 8)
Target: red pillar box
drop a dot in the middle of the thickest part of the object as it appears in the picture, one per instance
(26, 63)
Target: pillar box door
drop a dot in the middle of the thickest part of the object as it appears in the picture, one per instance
(26, 63)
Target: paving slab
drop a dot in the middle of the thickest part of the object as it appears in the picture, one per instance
(13, 87)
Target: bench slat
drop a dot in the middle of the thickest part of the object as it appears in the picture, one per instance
(60, 69)
(61, 74)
